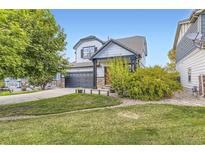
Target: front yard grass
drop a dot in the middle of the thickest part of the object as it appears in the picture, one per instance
(139, 124)
(57, 105)
(7, 93)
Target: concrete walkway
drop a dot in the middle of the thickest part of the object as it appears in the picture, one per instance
(179, 99)
(35, 96)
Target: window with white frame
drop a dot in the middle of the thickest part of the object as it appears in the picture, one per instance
(87, 52)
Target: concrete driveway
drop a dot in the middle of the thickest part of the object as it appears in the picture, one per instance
(35, 96)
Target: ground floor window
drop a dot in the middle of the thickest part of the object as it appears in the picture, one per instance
(189, 74)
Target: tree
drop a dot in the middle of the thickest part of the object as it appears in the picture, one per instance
(42, 78)
(13, 42)
(44, 56)
(34, 46)
(1, 83)
(171, 66)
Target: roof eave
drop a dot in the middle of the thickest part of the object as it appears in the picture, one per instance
(83, 39)
(176, 36)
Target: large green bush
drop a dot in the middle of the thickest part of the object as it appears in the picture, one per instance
(152, 83)
(1, 83)
(119, 75)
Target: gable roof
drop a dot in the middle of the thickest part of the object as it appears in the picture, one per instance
(91, 37)
(193, 17)
(136, 45)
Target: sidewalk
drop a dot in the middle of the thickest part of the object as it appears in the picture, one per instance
(35, 96)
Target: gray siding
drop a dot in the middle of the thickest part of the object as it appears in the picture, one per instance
(186, 45)
(203, 25)
(113, 50)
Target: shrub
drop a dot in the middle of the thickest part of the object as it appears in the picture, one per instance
(152, 83)
(2, 83)
(119, 75)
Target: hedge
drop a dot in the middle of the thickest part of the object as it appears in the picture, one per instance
(151, 83)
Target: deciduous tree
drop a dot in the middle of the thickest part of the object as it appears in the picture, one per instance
(32, 46)
(13, 42)
(171, 66)
(44, 56)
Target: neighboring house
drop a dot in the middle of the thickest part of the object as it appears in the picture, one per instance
(190, 53)
(90, 69)
(12, 83)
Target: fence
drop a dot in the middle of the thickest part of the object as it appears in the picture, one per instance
(93, 91)
(202, 85)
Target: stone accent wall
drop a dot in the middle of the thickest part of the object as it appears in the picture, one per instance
(62, 82)
(100, 82)
(59, 83)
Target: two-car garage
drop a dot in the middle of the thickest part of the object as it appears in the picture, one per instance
(79, 79)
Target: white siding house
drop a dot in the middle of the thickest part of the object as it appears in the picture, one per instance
(91, 55)
(190, 58)
(88, 43)
(12, 83)
(195, 63)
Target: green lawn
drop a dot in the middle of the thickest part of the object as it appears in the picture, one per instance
(139, 124)
(57, 105)
(6, 93)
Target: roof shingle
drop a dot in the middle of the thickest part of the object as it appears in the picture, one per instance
(136, 43)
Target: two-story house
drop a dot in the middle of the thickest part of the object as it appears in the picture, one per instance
(90, 69)
(190, 51)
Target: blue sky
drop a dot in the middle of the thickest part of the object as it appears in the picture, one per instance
(158, 26)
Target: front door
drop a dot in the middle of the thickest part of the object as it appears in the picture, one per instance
(107, 78)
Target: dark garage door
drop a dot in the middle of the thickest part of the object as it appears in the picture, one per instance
(79, 79)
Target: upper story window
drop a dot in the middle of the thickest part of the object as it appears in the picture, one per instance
(87, 52)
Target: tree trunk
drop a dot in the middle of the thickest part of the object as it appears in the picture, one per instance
(43, 86)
